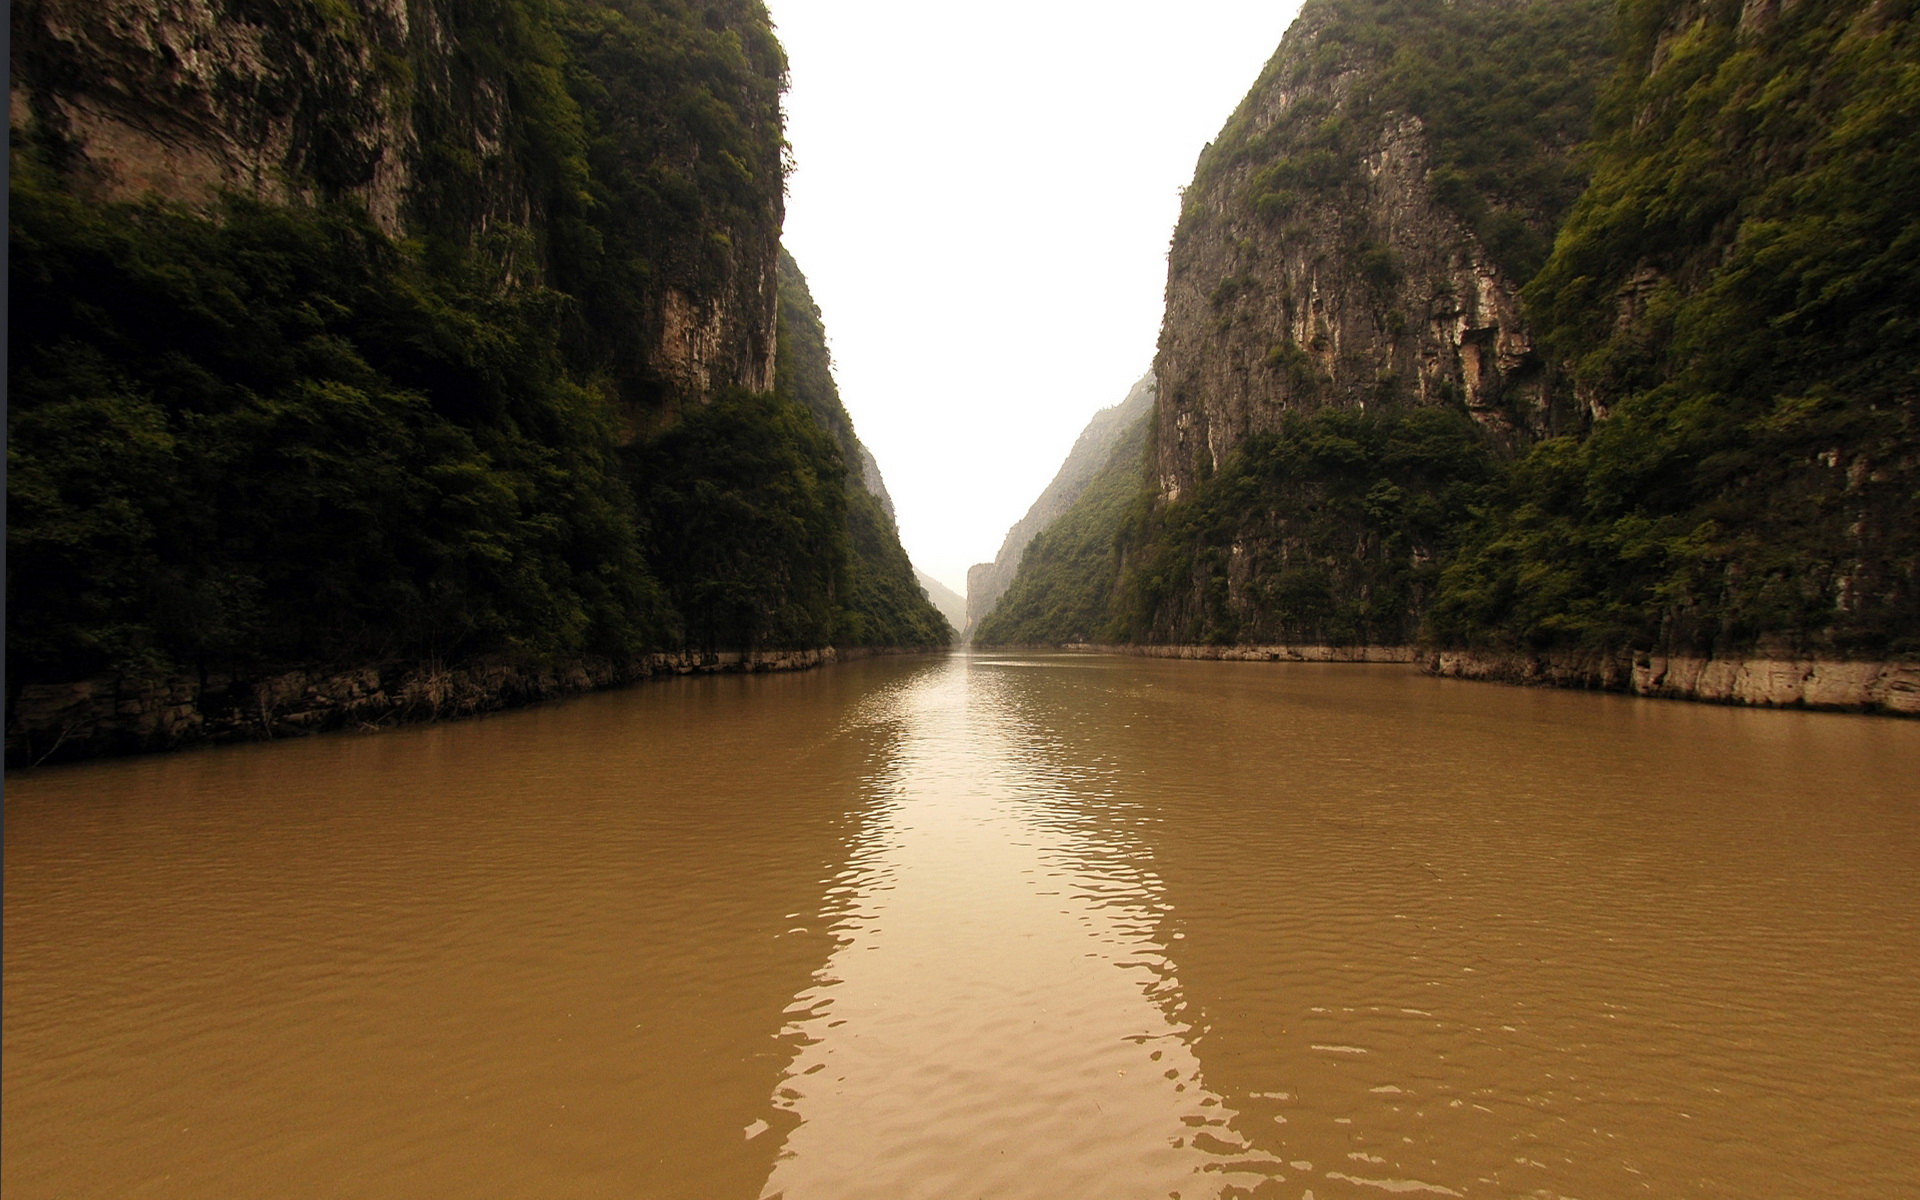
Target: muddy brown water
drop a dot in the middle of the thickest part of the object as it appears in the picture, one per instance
(1002, 926)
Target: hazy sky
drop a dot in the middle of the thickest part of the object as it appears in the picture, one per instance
(982, 202)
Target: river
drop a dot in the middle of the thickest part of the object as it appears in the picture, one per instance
(995, 926)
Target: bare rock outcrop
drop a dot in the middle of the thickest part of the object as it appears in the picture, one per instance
(415, 109)
(1304, 278)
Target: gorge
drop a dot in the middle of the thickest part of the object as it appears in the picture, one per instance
(374, 362)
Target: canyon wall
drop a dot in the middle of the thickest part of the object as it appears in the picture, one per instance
(1545, 333)
(356, 335)
(1332, 253)
(449, 118)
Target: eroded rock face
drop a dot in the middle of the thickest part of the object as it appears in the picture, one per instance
(1368, 292)
(1760, 680)
(407, 107)
(183, 99)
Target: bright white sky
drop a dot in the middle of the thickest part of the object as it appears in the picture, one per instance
(982, 203)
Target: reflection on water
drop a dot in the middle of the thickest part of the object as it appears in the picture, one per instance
(1004, 926)
(972, 1035)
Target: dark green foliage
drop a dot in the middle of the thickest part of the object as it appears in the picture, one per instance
(1504, 92)
(1063, 591)
(747, 512)
(1329, 531)
(882, 604)
(1740, 284)
(678, 107)
(272, 436)
(278, 437)
(804, 367)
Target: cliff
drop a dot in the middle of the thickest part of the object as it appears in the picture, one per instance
(554, 136)
(402, 335)
(880, 598)
(1736, 293)
(1539, 334)
(987, 582)
(1345, 359)
(1358, 233)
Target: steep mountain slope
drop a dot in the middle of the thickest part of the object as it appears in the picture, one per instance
(881, 601)
(1063, 590)
(1359, 231)
(1610, 414)
(1739, 290)
(952, 605)
(987, 582)
(389, 335)
(1345, 357)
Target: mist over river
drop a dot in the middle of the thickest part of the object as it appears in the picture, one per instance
(999, 926)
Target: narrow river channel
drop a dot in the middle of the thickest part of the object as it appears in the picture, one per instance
(1047, 926)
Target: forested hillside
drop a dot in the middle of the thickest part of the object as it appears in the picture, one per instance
(1089, 457)
(1587, 332)
(1062, 593)
(1738, 295)
(411, 331)
(881, 601)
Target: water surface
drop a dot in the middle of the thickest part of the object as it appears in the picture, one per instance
(1002, 926)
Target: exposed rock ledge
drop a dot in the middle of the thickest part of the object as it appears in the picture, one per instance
(1353, 654)
(1825, 683)
(121, 715)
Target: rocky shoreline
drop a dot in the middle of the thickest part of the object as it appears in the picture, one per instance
(1265, 653)
(117, 715)
(1760, 680)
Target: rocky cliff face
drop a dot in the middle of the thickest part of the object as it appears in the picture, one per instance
(868, 470)
(1340, 247)
(184, 99)
(987, 582)
(1396, 284)
(1345, 357)
(446, 119)
(401, 336)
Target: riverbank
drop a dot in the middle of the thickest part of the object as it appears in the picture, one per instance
(116, 715)
(1347, 654)
(1760, 681)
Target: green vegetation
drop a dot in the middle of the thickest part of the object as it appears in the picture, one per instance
(1741, 285)
(1328, 531)
(1735, 296)
(1504, 93)
(1063, 591)
(676, 112)
(278, 436)
(881, 601)
(269, 436)
(747, 515)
